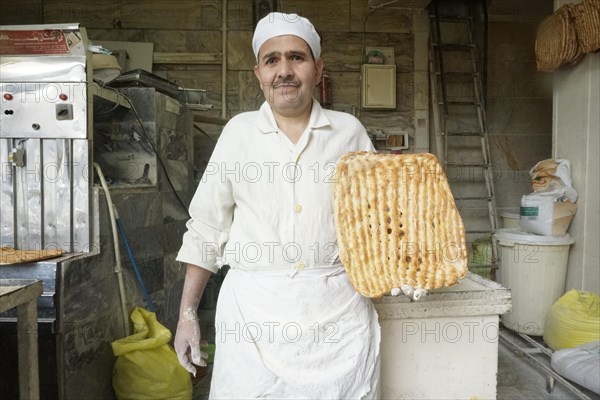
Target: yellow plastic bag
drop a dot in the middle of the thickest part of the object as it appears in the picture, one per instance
(573, 320)
(146, 366)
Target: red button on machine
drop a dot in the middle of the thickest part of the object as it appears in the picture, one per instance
(8, 96)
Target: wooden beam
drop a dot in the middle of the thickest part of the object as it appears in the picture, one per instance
(187, 58)
(23, 294)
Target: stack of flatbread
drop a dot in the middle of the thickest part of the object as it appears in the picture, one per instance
(587, 25)
(397, 223)
(556, 42)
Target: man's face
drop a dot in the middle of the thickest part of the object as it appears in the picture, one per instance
(287, 74)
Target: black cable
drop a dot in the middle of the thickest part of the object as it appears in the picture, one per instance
(164, 168)
(204, 133)
(160, 161)
(96, 114)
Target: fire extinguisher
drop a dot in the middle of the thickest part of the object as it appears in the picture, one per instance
(325, 92)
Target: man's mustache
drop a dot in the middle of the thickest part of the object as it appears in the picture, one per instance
(286, 83)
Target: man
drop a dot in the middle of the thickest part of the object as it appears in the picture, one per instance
(288, 322)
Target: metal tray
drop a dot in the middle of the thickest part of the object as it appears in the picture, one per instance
(143, 78)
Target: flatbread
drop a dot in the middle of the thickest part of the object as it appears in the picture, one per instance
(556, 41)
(397, 223)
(587, 25)
(9, 255)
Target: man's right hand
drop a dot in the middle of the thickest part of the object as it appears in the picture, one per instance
(187, 338)
(187, 343)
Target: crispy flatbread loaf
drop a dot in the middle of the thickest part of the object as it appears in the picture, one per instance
(397, 223)
(9, 256)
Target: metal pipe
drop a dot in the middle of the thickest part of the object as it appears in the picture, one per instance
(210, 120)
(544, 369)
(485, 51)
(224, 62)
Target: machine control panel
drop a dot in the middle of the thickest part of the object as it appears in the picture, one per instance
(64, 112)
(43, 110)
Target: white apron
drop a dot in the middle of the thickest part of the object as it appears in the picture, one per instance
(309, 335)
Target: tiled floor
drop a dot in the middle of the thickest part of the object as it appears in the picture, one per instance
(519, 379)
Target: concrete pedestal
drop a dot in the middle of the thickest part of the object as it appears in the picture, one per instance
(445, 345)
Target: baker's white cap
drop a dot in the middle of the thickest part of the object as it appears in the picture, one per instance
(278, 24)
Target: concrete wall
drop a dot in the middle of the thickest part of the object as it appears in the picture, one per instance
(519, 98)
(576, 128)
(575, 135)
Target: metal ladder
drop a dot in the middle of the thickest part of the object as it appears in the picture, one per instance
(460, 121)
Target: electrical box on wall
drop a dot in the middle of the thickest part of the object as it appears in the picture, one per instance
(378, 86)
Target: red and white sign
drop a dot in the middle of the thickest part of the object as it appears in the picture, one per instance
(49, 41)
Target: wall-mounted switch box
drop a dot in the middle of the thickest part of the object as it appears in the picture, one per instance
(378, 86)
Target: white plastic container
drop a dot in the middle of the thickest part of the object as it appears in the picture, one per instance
(510, 220)
(534, 268)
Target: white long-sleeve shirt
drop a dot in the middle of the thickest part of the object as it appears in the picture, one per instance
(265, 202)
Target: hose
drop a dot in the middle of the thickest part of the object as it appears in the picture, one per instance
(138, 275)
(118, 268)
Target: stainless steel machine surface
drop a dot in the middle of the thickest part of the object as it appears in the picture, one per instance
(55, 124)
(45, 135)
